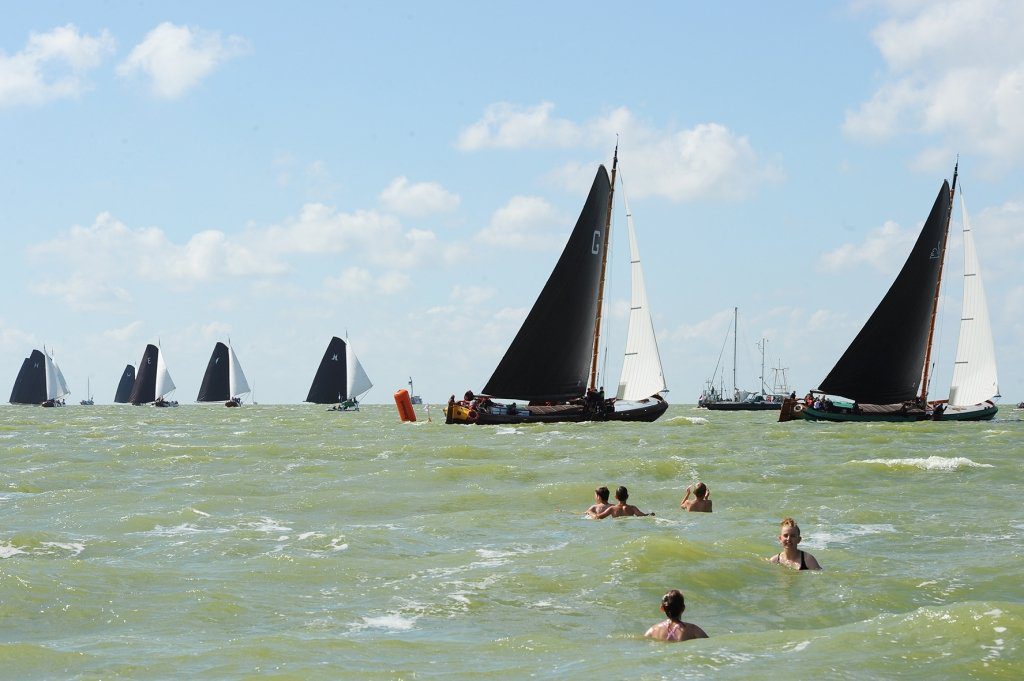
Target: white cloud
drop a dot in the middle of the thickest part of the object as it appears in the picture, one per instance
(124, 333)
(526, 222)
(352, 280)
(510, 126)
(471, 295)
(706, 161)
(13, 340)
(177, 58)
(52, 66)
(955, 73)
(83, 292)
(417, 199)
(882, 249)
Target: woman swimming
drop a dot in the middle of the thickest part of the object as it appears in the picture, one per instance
(674, 628)
(790, 556)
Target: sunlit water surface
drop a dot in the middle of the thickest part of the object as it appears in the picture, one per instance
(296, 543)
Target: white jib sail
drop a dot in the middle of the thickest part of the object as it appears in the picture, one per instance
(164, 384)
(358, 381)
(64, 390)
(642, 374)
(974, 374)
(54, 389)
(237, 384)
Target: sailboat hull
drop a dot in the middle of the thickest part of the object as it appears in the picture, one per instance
(794, 409)
(976, 412)
(743, 406)
(493, 413)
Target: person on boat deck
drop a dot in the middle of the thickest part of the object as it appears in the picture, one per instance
(701, 502)
(809, 399)
(600, 502)
(674, 628)
(468, 397)
(621, 509)
(790, 556)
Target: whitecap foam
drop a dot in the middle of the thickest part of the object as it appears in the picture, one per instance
(184, 528)
(8, 551)
(198, 512)
(687, 420)
(931, 463)
(389, 622)
(74, 547)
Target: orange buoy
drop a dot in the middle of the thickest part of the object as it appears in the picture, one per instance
(404, 404)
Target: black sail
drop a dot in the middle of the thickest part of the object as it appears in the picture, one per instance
(30, 385)
(549, 360)
(124, 386)
(884, 363)
(144, 390)
(215, 387)
(328, 385)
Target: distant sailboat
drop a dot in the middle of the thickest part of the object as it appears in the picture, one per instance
(153, 382)
(39, 382)
(224, 380)
(340, 379)
(883, 375)
(742, 400)
(551, 364)
(88, 401)
(413, 397)
(123, 395)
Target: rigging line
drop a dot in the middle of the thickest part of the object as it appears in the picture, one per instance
(720, 353)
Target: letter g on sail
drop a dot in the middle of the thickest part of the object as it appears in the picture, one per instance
(595, 247)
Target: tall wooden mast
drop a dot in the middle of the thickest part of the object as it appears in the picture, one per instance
(604, 268)
(938, 285)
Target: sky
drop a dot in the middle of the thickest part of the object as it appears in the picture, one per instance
(406, 174)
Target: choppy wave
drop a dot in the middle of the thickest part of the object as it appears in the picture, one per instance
(930, 463)
(685, 421)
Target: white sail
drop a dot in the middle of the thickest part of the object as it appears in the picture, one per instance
(357, 380)
(53, 386)
(164, 384)
(237, 384)
(974, 374)
(642, 374)
(64, 390)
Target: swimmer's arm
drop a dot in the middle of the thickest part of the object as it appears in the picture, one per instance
(811, 561)
(689, 490)
(603, 514)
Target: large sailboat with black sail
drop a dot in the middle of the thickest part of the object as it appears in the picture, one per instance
(549, 373)
(340, 379)
(39, 381)
(224, 380)
(883, 375)
(153, 381)
(123, 394)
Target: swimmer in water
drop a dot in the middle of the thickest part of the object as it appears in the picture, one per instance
(701, 502)
(674, 628)
(622, 508)
(790, 556)
(600, 502)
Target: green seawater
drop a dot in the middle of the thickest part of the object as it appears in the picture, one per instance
(289, 542)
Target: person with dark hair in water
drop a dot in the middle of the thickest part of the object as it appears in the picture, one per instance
(701, 501)
(790, 556)
(600, 502)
(674, 628)
(621, 508)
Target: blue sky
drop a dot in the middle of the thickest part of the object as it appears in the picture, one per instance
(408, 172)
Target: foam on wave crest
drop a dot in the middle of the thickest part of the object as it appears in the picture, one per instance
(931, 463)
